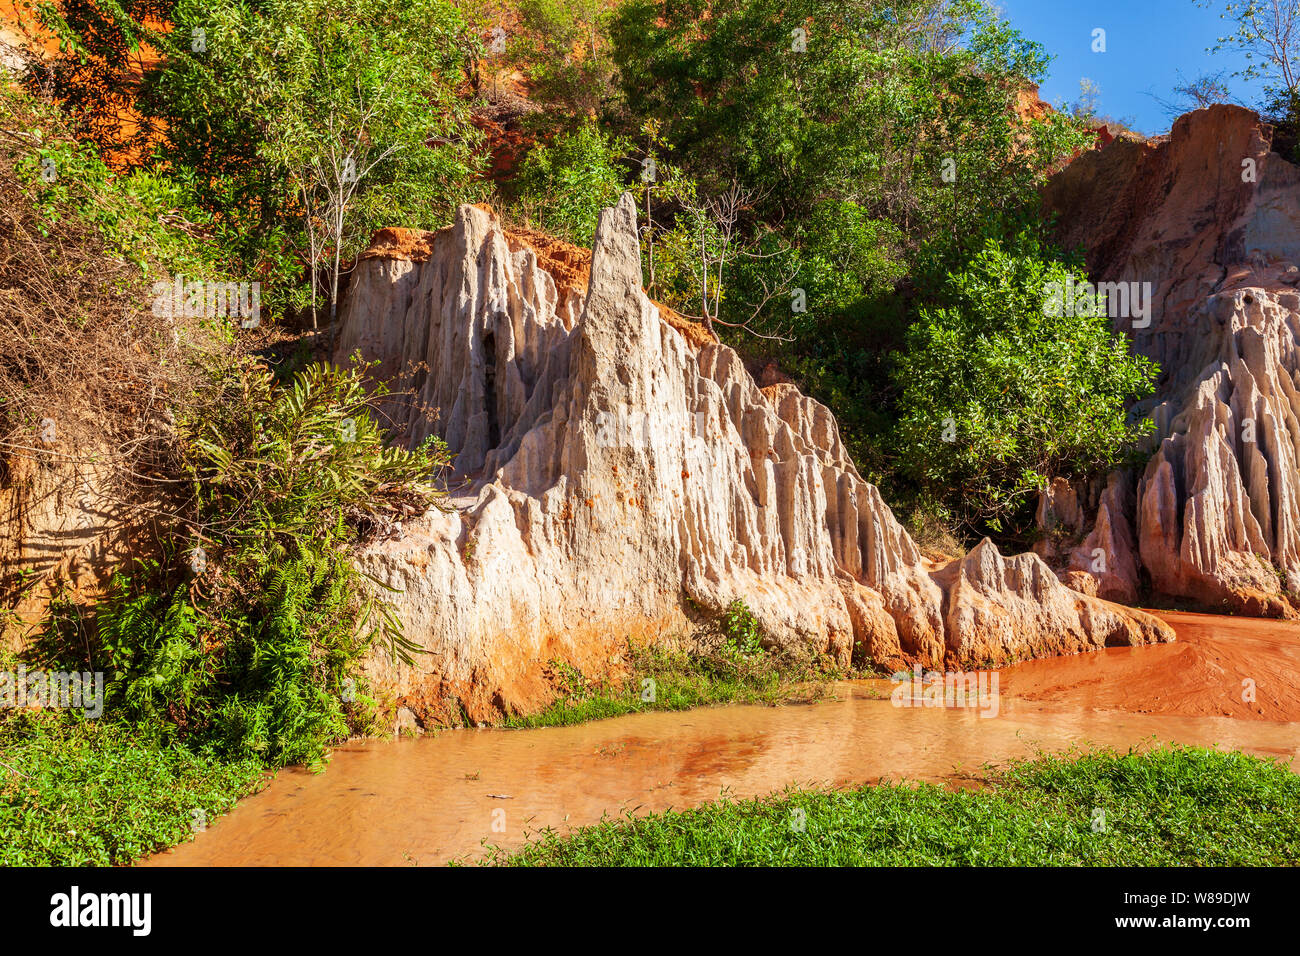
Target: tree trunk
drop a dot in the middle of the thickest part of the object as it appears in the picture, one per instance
(650, 237)
(334, 284)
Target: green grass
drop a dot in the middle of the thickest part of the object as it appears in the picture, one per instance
(77, 792)
(1176, 806)
(682, 680)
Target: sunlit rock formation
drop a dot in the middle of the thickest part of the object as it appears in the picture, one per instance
(1210, 217)
(619, 475)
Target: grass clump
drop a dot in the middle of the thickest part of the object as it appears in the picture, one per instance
(727, 664)
(76, 792)
(1163, 807)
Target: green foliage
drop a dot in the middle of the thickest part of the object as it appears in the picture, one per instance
(303, 463)
(998, 396)
(366, 133)
(1167, 807)
(257, 107)
(845, 265)
(725, 663)
(310, 117)
(95, 73)
(136, 213)
(253, 651)
(699, 677)
(566, 183)
(1261, 33)
(77, 792)
(1282, 110)
(564, 46)
(879, 149)
(847, 256)
(741, 629)
(867, 113)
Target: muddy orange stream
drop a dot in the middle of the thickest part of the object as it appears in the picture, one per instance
(424, 802)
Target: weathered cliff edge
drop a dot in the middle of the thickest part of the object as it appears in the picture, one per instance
(1211, 218)
(619, 476)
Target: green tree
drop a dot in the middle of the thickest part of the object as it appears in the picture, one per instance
(1267, 36)
(95, 73)
(297, 126)
(565, 184)
(883, 143)
(845, 100)
(1002, 391)
(319, 119)
(565, 49)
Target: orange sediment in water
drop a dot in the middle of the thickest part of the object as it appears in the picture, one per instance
(1241, 667)
(431, 800)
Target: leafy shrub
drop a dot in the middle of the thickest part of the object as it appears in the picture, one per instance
(567, 183)
(847, 255)
(743, 634)
(252, 649)
(997, 397)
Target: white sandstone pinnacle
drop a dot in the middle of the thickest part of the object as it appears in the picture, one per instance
(617, 480)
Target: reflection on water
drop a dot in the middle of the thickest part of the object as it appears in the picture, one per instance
(429, 800)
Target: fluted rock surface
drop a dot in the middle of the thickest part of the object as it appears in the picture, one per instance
(1210, 217)
(617, 479)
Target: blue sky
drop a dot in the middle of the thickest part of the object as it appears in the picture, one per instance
(1147, 43)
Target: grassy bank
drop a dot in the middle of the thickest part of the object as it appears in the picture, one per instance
(77, 792)
(725, 665)
(1178, 807)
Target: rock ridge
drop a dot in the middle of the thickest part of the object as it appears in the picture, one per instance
(615, 480)
(1209, 216)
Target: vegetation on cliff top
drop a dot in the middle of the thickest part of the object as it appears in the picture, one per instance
(808, 175)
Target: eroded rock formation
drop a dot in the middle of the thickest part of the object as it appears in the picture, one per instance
(1210, 217)
(618, 472)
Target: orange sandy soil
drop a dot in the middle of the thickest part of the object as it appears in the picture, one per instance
(1200, 675)
(20, 28)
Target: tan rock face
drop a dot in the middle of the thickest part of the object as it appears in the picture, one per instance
(994, 603)
(62, 531)
(1211, 219)
(617, 481)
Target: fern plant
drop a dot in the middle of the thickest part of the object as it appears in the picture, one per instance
(247, 635)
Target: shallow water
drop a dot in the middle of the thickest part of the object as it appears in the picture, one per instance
(426, 801)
